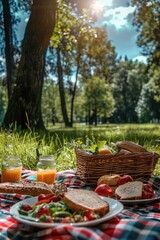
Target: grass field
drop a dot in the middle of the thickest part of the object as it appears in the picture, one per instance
(58, 141)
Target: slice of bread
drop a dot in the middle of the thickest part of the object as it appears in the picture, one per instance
(129, 191)
(81, 200)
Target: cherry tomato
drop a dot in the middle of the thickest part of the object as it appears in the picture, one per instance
(91, 215)
(54, 199)
(26, 207)
(104, 190)
(41, 196)
(67, 220)
(42, 211)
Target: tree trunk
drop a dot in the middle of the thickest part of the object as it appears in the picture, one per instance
(8, 46)
(74, 93)
(61, 89)
(24, 108)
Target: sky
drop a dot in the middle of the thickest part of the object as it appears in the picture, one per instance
(118, 19)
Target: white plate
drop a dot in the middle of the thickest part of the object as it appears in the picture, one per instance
(115, 208)
(142, 201)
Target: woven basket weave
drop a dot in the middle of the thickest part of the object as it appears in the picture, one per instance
(92, 166)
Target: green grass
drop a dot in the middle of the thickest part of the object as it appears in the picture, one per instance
(57, 140)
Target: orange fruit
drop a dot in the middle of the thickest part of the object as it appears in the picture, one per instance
(104, 151)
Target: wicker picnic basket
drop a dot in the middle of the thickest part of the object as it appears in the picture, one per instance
(140, 165)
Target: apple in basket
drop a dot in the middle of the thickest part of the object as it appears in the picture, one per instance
(104, 190)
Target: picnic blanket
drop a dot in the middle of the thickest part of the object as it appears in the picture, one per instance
(134, 222)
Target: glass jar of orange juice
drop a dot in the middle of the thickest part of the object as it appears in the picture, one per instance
(11, 169)
(46, 169)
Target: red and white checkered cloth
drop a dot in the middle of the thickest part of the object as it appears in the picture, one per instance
(140, 223)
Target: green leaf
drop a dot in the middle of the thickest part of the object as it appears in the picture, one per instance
(101, 144)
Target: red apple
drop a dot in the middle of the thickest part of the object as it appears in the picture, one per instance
(104, 190)
(124, 179)
(147, 195)
(148, 188)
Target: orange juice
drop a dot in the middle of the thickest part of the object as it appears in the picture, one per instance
(11, 169)
(46, 169)
(47, 176)
(11, 174)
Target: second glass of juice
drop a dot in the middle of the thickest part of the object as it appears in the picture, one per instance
(46, 169)
(11, 169)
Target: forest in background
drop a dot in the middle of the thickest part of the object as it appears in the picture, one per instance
(88, 84)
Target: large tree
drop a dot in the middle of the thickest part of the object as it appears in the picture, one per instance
(73, 31)
(9, 45)
(24, 108)
(147, 20)
(128, 80)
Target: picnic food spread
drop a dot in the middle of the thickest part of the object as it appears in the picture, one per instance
(61, 203)
(70, 207)
(136, 220)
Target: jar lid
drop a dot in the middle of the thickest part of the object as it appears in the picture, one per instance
(46, 158)
(12, 157)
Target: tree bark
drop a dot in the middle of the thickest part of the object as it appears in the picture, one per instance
(24, 108)
(8, 46)
(74, 92)
(62, 90)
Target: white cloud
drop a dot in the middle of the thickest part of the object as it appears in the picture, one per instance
(118, 16)
(140, 58)
(118, 19)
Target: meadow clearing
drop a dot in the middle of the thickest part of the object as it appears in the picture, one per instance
(59, 141)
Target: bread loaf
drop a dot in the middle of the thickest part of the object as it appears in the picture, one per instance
(111, 180)
(129, 191)
(130, 146)
(32, 188)
(81, 200)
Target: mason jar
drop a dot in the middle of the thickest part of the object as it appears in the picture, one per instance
(46, 169)
(11, 169)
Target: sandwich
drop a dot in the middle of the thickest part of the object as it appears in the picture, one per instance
(84, 200)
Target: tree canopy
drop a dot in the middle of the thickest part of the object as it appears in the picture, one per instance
(67, 70)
